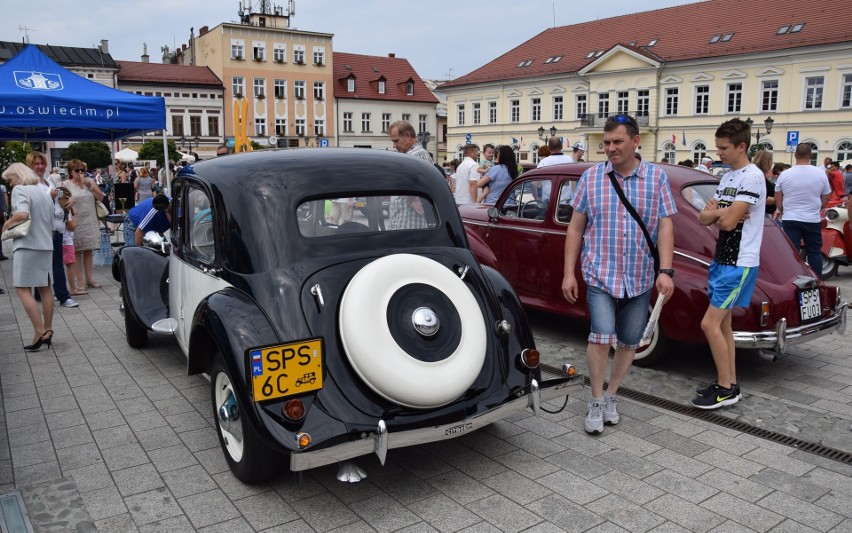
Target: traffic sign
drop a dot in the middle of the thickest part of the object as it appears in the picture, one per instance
(467, 138)
(323, 142)
(792, 138)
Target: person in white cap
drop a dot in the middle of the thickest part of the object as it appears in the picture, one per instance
(705, 165)
(579, 149)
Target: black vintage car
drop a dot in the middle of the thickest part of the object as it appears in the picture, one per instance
(327, 341)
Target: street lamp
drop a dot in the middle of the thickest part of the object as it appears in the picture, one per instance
(545, 138)
(423, 138)
(768, 123)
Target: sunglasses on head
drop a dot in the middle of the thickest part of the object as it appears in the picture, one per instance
(622, 119)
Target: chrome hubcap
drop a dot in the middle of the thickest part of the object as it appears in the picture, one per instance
(425, 321)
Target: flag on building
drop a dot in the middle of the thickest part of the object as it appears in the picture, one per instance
(522, 141)
(674, 138)
(514, 140)
(683, 136)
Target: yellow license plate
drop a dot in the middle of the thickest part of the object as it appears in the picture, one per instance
(286, 369)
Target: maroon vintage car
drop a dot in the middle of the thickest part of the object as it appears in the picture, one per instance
(523, 237)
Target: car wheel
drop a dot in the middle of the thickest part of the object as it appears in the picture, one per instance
(424, 322)
(136, 333)
(654, 352)
(249, 458)
(829, 267)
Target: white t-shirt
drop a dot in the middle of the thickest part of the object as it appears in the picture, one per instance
(802, 186)
(555, 159)
(741, 245)
(465, 173)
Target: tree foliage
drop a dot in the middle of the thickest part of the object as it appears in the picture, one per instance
(153, 149)
(94, 154)
(13, 152)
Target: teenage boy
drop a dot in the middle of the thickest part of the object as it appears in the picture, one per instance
(737, 209)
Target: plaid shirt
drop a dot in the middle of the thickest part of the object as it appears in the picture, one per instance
(615, 255)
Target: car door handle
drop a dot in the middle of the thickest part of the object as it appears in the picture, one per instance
(211, 271)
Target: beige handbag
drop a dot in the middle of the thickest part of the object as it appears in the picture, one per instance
(101, 210)
(21, 229)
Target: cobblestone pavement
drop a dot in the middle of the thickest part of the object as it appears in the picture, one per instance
(97, 435)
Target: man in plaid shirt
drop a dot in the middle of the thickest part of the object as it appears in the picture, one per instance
(407, 212)
(617, 264)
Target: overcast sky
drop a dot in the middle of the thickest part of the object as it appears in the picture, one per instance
(438, 37)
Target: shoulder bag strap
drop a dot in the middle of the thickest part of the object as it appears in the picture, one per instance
(654, 253)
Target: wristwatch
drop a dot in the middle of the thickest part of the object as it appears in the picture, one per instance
(668, 272)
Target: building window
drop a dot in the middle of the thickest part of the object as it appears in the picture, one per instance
(515, 110)
(300, 127)
(238, 86)
(177, 125)
(386, 121)
(259, 88)
(382, 86)
(813, 92)
(769, 95)
(280, 88)
(319, 90)
(237, 51)
(702, 100)
(814, 153)
(643, 102)
(195, 125)
(319, 58)
(347, 122)
(281, 127)
(846, 93)
(535, 111)
(669, 153)
(365, 123)
(213, 126)
(460, 114)
(558, 108)
(477, 113)
(299, 57)
(319, 127)
(844, 151)
(671, 101)
(260, 126)
(350, 85)
(603, 105)
(735, 97)
(582, 105)
(699, 152)
(409, 88)
(279, 54)
(421, 123)
(259, 52)
(406, 117)
(299, 90)
(492, 112)
(622, 100)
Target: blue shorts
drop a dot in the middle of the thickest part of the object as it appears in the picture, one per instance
(617, 320)
(730, 286)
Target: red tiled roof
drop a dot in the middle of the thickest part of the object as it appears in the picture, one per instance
(160, 73)
(682, 33)
(367, 71)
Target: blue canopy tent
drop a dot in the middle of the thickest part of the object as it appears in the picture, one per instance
(42, 101)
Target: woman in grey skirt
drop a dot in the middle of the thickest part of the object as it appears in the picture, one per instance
(32, 254)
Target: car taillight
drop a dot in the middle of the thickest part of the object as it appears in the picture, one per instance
(293, 409)
(764, 313)
(569, 369)
(530, 358)
(303, 440)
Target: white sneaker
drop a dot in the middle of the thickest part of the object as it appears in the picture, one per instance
(610, 410)
(70, 302)
(594, 418)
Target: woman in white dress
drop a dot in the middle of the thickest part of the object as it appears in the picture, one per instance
(87, 236)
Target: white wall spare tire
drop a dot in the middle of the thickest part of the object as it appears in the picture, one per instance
(412, 331)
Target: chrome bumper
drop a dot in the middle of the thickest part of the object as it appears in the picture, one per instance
(782, 336)
(382, 440)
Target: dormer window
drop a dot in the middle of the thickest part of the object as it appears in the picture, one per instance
(797, 27)
(350, 84)
(652, 42)
(715, 38)
(382, 86)
(409, 87)
(727, 37)
(599, 53)
(783, 29)
(552, 59)
(525, 63)
(590, 54)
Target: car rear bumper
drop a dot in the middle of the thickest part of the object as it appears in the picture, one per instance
(382, 440)
(782, 336)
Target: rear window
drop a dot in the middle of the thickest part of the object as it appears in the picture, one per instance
(324, 217)
(699, 194)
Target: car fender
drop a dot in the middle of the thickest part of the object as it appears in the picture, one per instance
(139, 270)
(481, 249)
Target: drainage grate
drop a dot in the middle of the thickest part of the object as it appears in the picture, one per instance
(709, 416)
(13, 514)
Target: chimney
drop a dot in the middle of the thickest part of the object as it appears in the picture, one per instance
(104, 47)
(145, 57)
(391, 54)
(203, 30)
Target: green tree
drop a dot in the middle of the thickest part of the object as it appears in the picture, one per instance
(257, 146)
(153, 149)
(13, 152)
(94, 154)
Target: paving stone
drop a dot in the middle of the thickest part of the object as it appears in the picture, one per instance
(517, 488)
(771, 458)
(475, 464)
(114, 436)
(723, 442)
(161, 437)
(800, 511)
(734, 485)
(685, 513)
(177, 524)
(137, 479)
(542, 427)
(231, 526)
(729, 526)
(72, 436)
(572, 487)
(121, 457)
(91, 477)
(145, 421)
(235, 489)
(742, 512)
(188, 481)
(172, 458)
(460, 487)
(26, 435)
(206, 508)
(535, 444)
(837, 502)
(629, 443)
(443, 514)
(679, 463)
(78, 456)
(790, 484)
(265, 510)
(104, 502)
(791, 526)
(324, 512)
(731, 463)
(33, 454)
(486, 443)
(830, 479)
(628, 463)
(122, 523)
(579, 464)
(624, 513)
(678, 443)
(689, 489)
(684, 428)
(385, 514)
(420, 462)
(105, 419)
(187, 421)
(669, 527)
(212, 460)
(628, 487)
(503, 513)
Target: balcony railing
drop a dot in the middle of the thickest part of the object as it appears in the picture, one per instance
(591, 120)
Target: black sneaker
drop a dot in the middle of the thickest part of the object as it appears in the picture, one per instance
(704, 390)
(716, 397)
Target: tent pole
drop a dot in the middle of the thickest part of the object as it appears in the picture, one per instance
(166, 162)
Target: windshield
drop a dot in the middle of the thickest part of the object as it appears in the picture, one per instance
(699, 194)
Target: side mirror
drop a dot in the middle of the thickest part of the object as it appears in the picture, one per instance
(493, 213)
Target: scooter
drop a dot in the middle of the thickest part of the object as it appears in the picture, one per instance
(836, 240)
